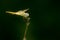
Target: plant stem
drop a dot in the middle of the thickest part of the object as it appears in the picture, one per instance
(27, 24)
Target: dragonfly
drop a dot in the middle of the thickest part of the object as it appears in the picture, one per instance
(20, 12)
(25, 17)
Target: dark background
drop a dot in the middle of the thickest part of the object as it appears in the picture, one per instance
(45, 20)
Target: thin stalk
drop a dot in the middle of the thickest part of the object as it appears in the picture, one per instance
(27, 24)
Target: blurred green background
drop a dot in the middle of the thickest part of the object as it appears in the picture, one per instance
(45, 20)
